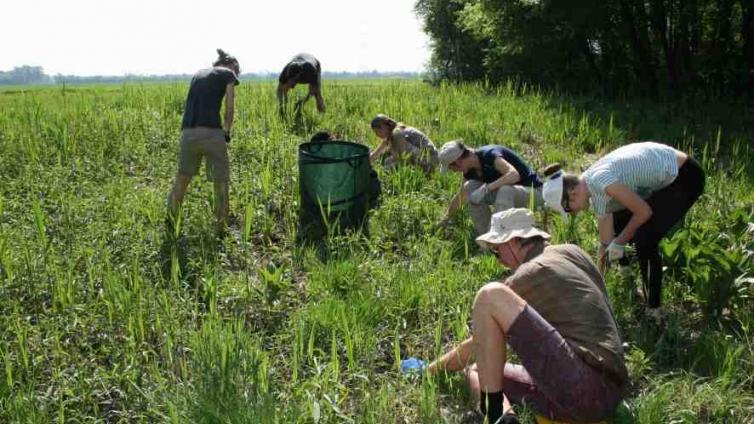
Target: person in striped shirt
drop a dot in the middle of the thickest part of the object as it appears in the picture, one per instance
(639, 192)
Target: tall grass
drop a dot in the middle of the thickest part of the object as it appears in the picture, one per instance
(108, 317)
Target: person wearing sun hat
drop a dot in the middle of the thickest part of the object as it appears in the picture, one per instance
(639, 192)
(494, 177)
(553, 311)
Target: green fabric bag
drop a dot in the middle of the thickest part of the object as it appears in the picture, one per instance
(333, 185)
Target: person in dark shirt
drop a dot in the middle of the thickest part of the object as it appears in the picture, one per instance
(302, 69)
(492, 176)
(204, 135)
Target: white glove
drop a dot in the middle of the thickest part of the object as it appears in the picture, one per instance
(615, 251)
(477, 196)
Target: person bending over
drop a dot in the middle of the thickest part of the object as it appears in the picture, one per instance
(205, 136)
(302, 69)
(639, 192)
(493, 176)
(404, 144)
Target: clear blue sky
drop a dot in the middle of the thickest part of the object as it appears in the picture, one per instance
(109, 37)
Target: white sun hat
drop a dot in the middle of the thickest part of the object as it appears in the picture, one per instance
(448, 153)
(508, 224)
(552, 192)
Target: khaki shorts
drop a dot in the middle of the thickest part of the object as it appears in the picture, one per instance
(200, 142)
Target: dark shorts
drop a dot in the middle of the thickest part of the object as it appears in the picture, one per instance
(553, 380)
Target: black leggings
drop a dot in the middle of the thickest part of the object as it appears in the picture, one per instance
(669, 206)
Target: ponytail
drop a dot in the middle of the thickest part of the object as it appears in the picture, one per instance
(224, 58)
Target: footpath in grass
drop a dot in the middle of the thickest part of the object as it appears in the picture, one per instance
(104, 317)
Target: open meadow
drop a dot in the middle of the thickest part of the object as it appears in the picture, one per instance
(105, 317)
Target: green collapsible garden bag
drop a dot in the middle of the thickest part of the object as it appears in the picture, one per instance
(333, 185)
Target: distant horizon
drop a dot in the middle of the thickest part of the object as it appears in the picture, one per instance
(30, 75)
(243, 74)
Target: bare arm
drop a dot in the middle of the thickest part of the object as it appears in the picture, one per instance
(456, 202)
(282, 93)
(605, 225)
(316, 91)
(455, 360)
(379, 151)
(230, 94)
(320, 102)
(640, 210)
(508, 175)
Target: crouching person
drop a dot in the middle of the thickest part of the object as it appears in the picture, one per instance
(494, 177)
(405, 144)
(554, 313)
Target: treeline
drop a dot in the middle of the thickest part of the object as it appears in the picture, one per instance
(31, 75)
(652, 47)
(24, 75)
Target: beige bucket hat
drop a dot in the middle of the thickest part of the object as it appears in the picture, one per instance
(509, 224)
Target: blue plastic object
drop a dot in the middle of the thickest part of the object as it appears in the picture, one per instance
(413, 365)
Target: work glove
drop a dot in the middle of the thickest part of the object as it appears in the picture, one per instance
(477, 196)
(413, 365)
(227, 136)
(615, 251)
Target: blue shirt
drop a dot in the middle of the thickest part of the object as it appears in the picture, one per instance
(487, 156)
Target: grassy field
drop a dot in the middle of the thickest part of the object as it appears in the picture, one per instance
(105, 318)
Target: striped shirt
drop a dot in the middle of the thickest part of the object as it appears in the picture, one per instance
(643, 167)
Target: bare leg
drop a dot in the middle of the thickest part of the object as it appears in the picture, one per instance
(175, 197)
(320, 103)
(495, 309)
(472, 380)
(222, 204)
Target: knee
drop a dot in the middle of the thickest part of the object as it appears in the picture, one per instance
(491, 296)
(505, 195)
